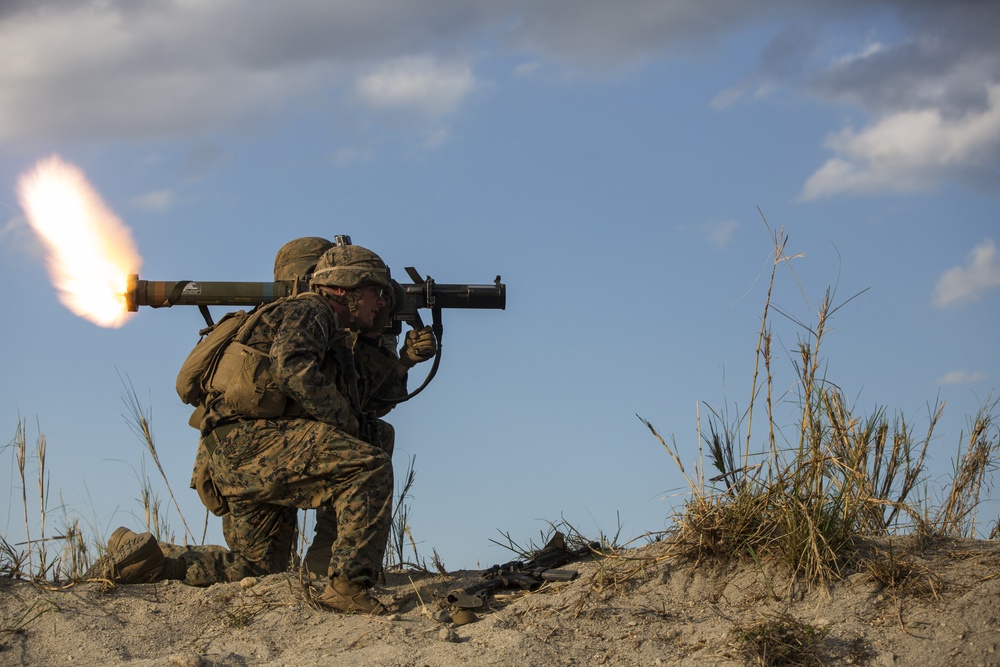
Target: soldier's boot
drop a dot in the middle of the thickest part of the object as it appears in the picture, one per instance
(173, 568)
(131, 558)
(346, 596)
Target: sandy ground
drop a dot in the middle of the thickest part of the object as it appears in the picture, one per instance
(637, 607)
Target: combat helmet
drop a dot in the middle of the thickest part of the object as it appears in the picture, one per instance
(350, 267)
(297, 258)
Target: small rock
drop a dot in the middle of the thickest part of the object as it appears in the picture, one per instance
(248, 582)
(447, 635)
(186, 660)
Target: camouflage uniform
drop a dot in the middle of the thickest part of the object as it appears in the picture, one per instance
(310, 457)
(377, 379)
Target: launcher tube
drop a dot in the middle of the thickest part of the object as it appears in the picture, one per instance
(410, 297)
(163, 294)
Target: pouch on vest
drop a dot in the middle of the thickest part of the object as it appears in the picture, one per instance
(196, 371)
(243, 377)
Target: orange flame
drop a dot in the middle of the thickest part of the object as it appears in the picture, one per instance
(89, 251)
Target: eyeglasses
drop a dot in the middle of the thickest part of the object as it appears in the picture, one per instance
(379, 292)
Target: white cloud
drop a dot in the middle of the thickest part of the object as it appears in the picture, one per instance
(963, 377)
(98, 69)
(728, 97)
(422, 84)
(108, 68)
(160, 200)
(721, 233)
(909, 150)
(962, 284)
(868, 51)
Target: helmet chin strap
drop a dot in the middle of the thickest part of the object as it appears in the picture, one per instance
(350, 302)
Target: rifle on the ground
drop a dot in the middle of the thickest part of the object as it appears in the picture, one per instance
(527, 575)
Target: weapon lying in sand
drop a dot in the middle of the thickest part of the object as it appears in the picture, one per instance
(527, 575)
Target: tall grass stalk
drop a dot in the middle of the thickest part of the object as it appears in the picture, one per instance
(42, 502)
(139, 421)
(36, 561)
(21, 458)
(808, 500)
(399, 529)
(957, 516)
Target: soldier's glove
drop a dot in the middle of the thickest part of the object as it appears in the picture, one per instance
(419, 346)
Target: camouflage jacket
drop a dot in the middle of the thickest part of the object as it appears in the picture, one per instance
(308, 351)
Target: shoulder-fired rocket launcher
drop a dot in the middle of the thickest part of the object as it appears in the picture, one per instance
(408, 298)
(407, 301)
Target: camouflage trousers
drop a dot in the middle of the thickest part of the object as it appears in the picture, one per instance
(317, 558)
(269, 469)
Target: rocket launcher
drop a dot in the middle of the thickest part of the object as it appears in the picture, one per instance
(409, 299)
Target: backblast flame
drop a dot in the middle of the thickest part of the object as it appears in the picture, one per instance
(89, 251)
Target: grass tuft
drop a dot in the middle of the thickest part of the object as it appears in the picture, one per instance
(780, 641)
(810, 500)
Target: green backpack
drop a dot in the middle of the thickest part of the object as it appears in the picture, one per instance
(222, 363)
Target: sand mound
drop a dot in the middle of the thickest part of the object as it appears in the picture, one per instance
(636, 608)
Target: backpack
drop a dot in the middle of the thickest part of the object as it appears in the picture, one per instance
(221, 362)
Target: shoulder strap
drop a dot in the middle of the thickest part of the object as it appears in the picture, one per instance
(244, 333)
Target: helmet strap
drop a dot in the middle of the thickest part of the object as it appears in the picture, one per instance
(349, 298)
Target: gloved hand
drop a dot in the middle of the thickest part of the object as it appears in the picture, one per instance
(419, 346)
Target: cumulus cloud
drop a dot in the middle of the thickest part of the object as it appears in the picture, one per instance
(421, 84)
(907, 151)
(961, 284)
(926, 97)
(121, 68)
(963, 377)
(100, 68)
(126, 69)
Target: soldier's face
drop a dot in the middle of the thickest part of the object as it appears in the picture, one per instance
(371, 302)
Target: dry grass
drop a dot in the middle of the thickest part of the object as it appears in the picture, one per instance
(808, 501)
(957, 516)
(780, 641)
(399, 530)
(140, 421)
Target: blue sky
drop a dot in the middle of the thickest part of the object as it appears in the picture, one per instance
(607, 159)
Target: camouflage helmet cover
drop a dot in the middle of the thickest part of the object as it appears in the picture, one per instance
(350, 267)
(298, 257)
